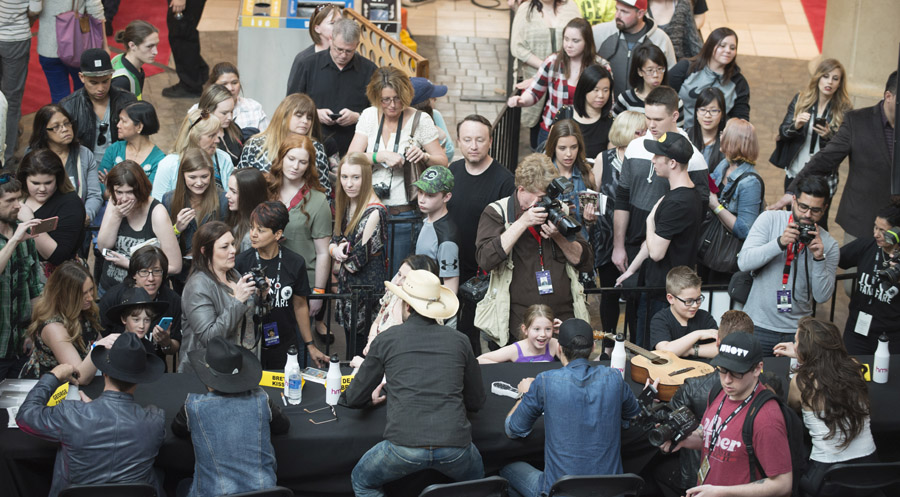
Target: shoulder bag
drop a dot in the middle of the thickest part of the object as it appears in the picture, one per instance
(75, 33)
(718, 246)
(412, 170)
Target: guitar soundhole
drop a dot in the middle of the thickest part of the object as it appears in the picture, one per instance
(681, 371)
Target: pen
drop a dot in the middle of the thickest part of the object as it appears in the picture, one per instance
(282, 399)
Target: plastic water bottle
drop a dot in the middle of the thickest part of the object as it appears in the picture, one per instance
(882, 360)
(618, 355)
(292, 381)
(333, 381)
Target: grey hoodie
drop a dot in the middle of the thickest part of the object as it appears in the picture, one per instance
(611, 45)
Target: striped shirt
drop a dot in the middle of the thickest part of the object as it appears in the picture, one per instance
(14, 19)
(628, 100)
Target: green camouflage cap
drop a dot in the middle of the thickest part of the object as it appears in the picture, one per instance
(435, 179)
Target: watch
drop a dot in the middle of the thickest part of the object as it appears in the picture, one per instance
(696, 350)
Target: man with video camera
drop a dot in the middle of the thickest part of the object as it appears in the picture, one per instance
(545, 261)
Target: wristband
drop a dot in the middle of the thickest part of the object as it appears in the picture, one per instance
(374, 160)
(175, 227)
(307, 344)
(331, 251)
(719, 208)
(696, 350)
(318, 291)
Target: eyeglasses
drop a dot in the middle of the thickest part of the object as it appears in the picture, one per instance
(390, 100)
(709, 112)
(204, 114)
(723, 372)
(101, 136)
(805, 208)
(143, 273)
(691, 302)
(656, 71)
(342, 51)
(61, 126)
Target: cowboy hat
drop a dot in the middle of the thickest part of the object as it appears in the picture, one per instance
(423, 291)
(132, 297)
(128, 360)
(225, 367)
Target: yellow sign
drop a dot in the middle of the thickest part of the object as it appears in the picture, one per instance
(275, 380)
(345, 382)
(867, 373)
(59, 395)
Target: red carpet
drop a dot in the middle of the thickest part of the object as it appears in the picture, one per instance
(815, 16)
(37, 94)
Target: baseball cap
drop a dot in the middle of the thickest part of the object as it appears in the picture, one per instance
(672, 145)
(738, 352)
(424, 89)
(572, 328)
(638, 4)
(95, 62)
(436, 179)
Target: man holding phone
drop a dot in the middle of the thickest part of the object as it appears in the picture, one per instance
(19, 263)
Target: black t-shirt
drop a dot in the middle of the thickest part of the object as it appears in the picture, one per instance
(700, 7)
(471, 194)
(281, 324)
(677, 220)
(113, 297)
(664, 326)
(868, 295)
(596, 136)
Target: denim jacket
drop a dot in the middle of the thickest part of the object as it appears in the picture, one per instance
(233, 454)
(583, 407)
(110, 440)
(746, 202)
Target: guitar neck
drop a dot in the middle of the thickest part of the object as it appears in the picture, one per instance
(634, 348)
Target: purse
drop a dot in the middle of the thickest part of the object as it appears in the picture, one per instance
(719, 247)
(740, 285)
(412, 170)
(779, 156)
(75, 33)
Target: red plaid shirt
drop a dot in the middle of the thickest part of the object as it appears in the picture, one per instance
(547, 78)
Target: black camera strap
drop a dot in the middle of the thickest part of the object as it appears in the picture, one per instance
(277, 284)
(396, 143)
(714, 438)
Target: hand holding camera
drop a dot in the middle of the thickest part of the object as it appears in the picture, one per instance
(790, 235)
(244, 288)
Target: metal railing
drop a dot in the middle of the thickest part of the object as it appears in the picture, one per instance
(505, 137)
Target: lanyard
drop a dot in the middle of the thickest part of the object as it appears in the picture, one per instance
(277, 284)
(537, 238)
(792, 251)
(396, 135)
(715, 436)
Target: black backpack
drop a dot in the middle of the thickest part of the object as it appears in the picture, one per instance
(795, 429)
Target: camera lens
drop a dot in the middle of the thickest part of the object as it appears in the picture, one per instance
(660, 435)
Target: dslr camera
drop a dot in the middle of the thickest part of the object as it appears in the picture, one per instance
(805, 233)
(383, 190)
(890, 275)
(566, 224)
(258, 277)
(662, 422)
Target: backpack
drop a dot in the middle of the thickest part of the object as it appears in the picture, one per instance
(794, 427)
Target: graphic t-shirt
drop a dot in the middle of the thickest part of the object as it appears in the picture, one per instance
(438, 240)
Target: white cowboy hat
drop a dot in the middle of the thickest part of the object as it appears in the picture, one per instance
(423, 291)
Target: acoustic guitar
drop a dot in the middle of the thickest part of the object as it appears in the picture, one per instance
(670, 369)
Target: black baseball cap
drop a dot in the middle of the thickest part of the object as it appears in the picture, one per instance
(572, 328)
(739, 352)
(672, 145)
(95, 62)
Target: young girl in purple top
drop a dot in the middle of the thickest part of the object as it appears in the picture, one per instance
(537, 346)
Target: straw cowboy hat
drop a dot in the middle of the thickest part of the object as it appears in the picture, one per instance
(423, 291)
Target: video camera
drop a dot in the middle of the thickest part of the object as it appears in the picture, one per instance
(566, 224)
(663, 423)
(890, 275)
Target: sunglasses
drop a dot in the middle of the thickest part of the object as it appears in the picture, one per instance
(333, 413)
(101, 136)
(722, 371)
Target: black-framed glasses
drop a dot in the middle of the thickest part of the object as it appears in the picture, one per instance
(61, 126)
(708, 111)
(722, 371)
(805, 208)
(390, 100)
(5, 178)
(101, 136)
(204, 114)
(691, 302)
(143, 273)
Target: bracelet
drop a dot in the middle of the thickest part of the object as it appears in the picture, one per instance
(719, 208)
(374, 160)
(307, 344)
(318, 291)
(175, 227)
(331, 251)
(696, 350)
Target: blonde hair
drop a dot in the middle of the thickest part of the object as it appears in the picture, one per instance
(342, 201)
(535, 173)
(212, 96)
(739, 142)
(197, 123)
(536, 311)
(840, 101)
(393, 78)
(62, 299)
(624, 126)
(278, 130)
(681, 278)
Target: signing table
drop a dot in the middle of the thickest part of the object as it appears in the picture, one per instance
(317, 459)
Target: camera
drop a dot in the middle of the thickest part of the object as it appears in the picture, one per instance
(257, 276)
(383, 190)
(566, 224)
(263, 302)
(805, 230)
(890, 275)
(662, 422)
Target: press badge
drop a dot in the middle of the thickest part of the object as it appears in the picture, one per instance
(784, 300)
(544, 283)
(703, 471)
(270, 333)
(863, 321)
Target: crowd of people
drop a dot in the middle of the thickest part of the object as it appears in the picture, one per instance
(212, 260)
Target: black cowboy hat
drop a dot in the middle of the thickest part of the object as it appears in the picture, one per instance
(128, 360)
(135, 296)
(225, 367)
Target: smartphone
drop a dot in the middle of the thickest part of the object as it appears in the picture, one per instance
(105, 252)
(165, 322)
(334, 116)
(46, 225)
(820, 121)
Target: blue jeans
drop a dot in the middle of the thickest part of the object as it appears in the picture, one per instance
(386, 462)
(400, 239)
(58, 76)
(768, 339)
(524, 479)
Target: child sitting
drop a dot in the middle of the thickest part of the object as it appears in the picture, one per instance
(684, 328)
(137, 312)
(538, 345)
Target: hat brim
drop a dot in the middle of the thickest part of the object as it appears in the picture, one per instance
(655, 147)
(438, 91)
(114, 313)
(155, 367)
(97, 74)
(730, 363)
(444, 308)
(247, 378)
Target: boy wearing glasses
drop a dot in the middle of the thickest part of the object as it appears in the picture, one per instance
(794, 261)
(684, 328)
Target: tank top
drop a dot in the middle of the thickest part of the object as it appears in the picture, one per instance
(827, 451)
(545, 357)
(126, 238)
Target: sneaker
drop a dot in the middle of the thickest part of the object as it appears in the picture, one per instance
(179, 91)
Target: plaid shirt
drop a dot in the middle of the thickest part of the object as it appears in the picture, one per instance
(20, 282)
(549, 79)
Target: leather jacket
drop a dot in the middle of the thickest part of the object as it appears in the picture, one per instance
(80, 108)
(695, 395)
(110, 440)
(793, 137)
